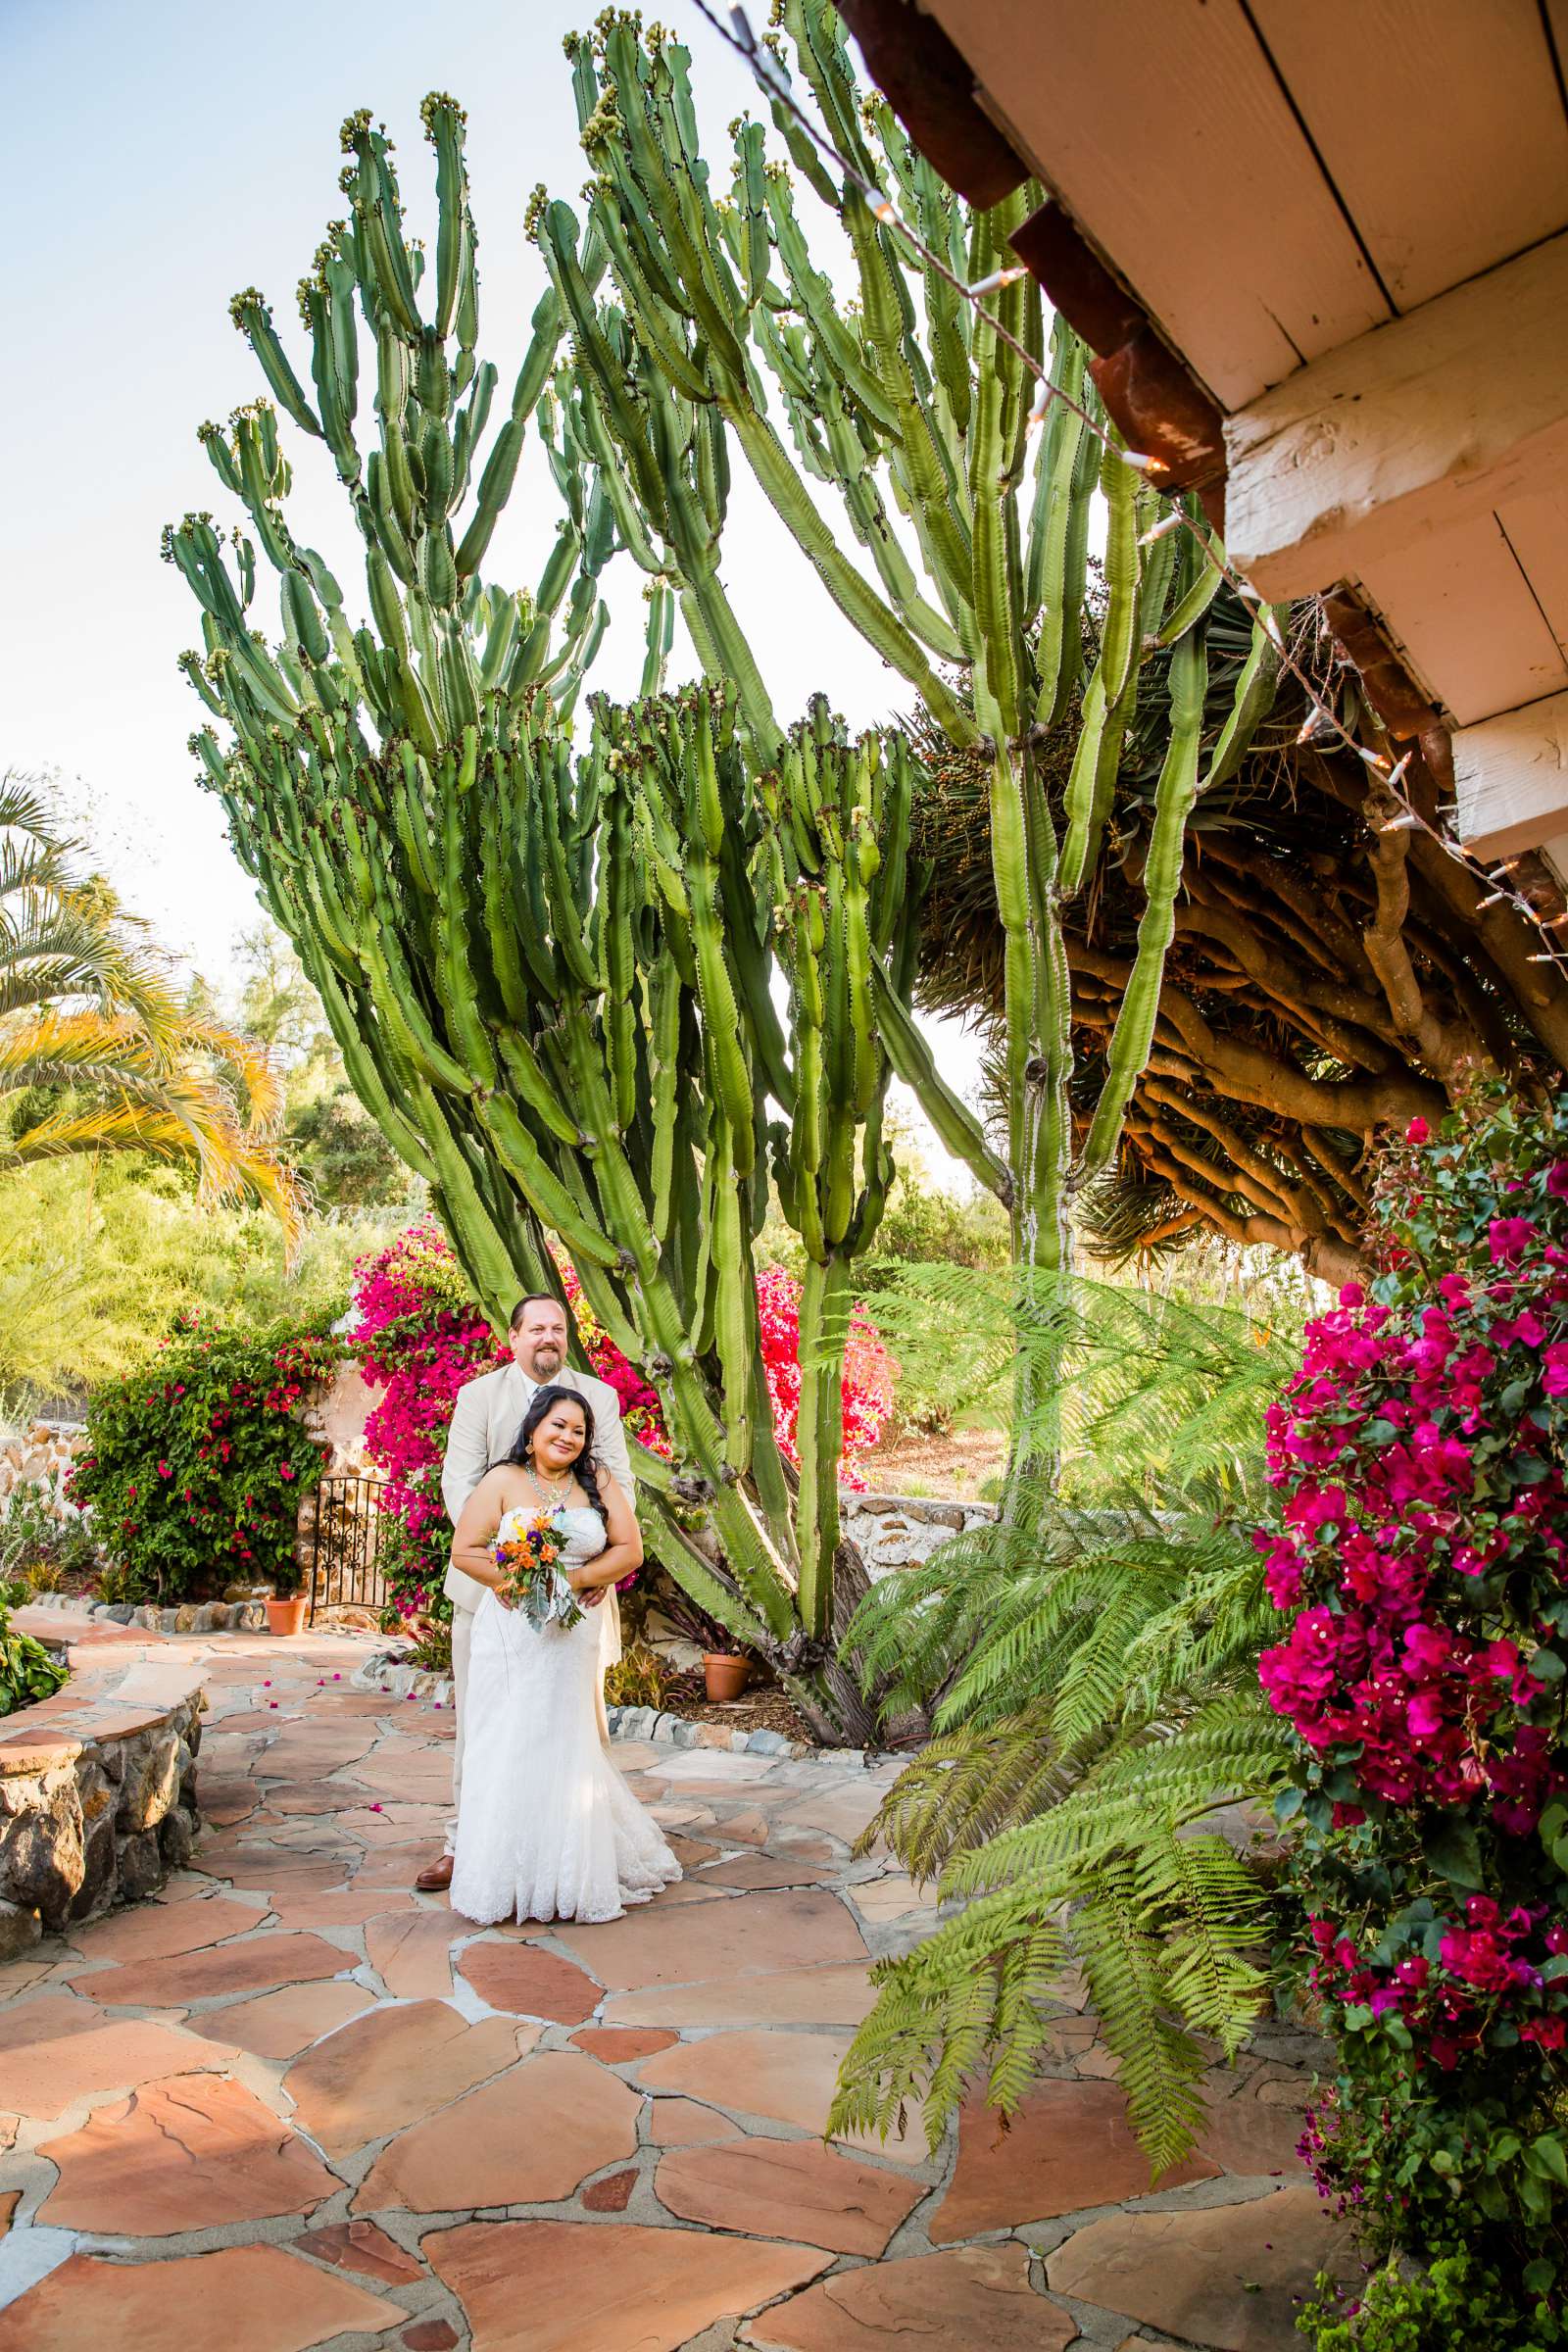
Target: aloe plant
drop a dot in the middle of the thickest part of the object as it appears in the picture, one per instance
(612, 986)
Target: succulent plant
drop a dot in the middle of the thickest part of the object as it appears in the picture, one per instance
(610, 983)
(897, 435)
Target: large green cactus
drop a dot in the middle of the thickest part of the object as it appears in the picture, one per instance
(426, 496)
(619, 990)
(915, 414)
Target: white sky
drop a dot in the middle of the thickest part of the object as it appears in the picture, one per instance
(158, 157)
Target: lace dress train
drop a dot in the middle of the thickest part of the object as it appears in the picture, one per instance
(548, 1828)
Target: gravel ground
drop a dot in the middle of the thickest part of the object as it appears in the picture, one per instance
(765, 1709)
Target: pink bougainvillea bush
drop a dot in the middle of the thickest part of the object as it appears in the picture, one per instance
(195, 1465)
(418, 1336)
(870, 1374)
(1423, 1565)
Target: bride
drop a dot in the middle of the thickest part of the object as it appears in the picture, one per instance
(548, 1828)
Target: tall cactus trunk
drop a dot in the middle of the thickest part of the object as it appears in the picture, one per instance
(824, 1316)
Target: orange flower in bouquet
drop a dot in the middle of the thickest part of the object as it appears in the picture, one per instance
(533, 1581)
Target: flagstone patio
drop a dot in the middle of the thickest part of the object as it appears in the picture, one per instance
(293, 2104)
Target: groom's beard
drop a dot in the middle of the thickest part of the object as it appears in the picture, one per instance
(547, 1362)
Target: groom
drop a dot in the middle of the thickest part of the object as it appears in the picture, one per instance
(484, 1428)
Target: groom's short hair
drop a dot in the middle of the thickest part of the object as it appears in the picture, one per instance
(534, 1299)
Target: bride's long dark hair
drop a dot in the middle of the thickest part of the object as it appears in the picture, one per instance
(585, 1469)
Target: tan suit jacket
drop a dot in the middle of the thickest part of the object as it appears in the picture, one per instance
(485, 1422)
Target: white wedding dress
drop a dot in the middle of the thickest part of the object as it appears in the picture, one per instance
(548, 1828)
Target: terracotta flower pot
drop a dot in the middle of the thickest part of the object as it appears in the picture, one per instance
(725, 1674)
(286, 1615)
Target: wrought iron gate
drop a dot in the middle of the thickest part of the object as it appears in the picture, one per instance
(344, 1545)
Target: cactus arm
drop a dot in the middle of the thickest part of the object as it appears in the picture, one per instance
(253, 317)
(956, 1126)
(1106, 705)
(443, 120)
(735, 1305)
(1189, 608)
(1174, 796)
(1051, 590)
(1256, 690)
(1118, 644)
(660, 635)
(825, 1315)
(996, 679)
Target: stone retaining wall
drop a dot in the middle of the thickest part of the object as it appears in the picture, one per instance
(190, 1617)
(97, 1783)
(900, 1531)
(391, 1672)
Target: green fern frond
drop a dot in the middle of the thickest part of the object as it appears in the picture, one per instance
(1124, 1958)
(966, 1788)
(1093, 1670)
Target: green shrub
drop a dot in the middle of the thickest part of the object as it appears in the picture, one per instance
(117, 1583)
(1456, 2305)
(432, 1653)
(639, 1677)
(195, 1473)
(26, 1670)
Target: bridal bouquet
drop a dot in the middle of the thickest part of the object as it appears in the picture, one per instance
(533, 1583)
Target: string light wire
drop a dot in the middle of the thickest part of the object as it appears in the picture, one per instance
(739, 36)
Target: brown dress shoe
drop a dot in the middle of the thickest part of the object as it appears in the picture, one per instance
(437, 1879)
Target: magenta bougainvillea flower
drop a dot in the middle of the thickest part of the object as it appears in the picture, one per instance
(1420, 1562)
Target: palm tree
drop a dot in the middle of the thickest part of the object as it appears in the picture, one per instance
(97, 1053)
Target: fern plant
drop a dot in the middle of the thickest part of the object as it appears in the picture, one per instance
(1174, 1386)
(1090, 1671)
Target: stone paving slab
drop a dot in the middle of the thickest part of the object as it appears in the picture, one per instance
(262, 2299)
(293, 2103)
(974, 2295)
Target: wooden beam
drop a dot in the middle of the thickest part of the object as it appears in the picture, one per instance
(1510, 779)
(1440, 415)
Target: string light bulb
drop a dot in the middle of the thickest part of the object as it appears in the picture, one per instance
(1168, 522)
(999, 277)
